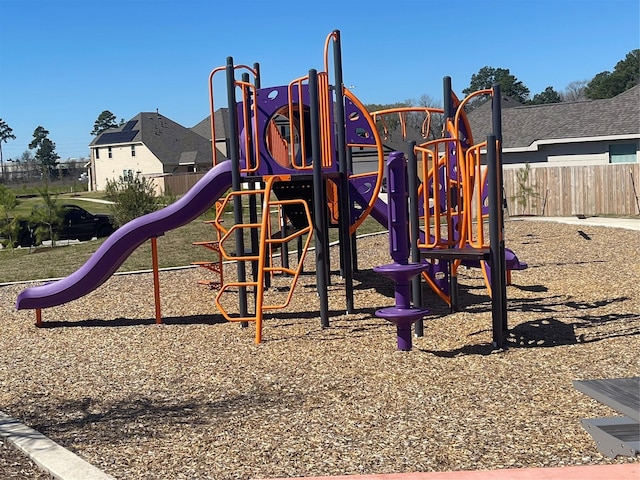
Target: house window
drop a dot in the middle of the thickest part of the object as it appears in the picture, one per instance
(97, 153)
(110, 152)
(133, 150)
(127, 175)
(623, 153)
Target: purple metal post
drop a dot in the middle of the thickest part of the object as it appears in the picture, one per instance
(401, 271)
(397, 204)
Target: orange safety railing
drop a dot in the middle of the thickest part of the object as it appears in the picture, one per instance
(444, 202)
(248, 92)
(297, 105)
(457, 184)
(474, 192)
(296, 110)
(461, 116)
(332, 36)
(379, 115)
(457, 191)
(277, 145)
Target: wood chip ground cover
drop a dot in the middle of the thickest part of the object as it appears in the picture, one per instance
(195, 398)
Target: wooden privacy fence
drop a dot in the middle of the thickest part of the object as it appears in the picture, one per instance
(178, 184)
(576, 190)
(548, 191)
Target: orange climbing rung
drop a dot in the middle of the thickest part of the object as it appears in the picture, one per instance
(211, 245)
(212, 284)
(213, 266)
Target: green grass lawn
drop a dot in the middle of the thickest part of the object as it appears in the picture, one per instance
(26, 204)
(174, 249)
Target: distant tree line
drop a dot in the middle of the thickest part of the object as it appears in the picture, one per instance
(43, 163)
(625, 75)
(45, 160)
(607, 84)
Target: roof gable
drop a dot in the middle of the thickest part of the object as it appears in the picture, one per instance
(221, 117)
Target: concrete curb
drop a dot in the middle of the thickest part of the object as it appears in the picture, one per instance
(628, 471)
(50, 457)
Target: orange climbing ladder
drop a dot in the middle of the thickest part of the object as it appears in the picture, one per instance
(214, 265)
(264, 258)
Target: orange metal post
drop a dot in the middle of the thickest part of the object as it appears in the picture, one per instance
(38, 317)
(156, 278)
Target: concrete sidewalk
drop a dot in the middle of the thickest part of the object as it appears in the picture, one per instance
(94, 200)
(626, 223)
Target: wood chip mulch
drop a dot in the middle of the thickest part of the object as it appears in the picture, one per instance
(195, 398)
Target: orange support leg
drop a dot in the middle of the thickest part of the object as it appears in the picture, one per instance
(156, 278)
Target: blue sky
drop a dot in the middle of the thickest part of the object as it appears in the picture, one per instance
(62, 62)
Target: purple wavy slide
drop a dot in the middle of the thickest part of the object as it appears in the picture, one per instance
(115, 250)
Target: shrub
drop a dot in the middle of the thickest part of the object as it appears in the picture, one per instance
(526, 193)
(132, 197)
(47, 217)
(8, 225)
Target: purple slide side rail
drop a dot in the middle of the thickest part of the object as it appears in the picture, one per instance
(115, 250)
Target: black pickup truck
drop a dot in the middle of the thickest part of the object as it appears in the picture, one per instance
(77, 224)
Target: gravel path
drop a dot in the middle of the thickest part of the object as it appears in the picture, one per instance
(195, 398)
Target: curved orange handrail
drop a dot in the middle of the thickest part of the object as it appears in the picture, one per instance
(332, 36)
(301, 122)
(214, 151)
(246, 88)
(379, 173)
(461, 115)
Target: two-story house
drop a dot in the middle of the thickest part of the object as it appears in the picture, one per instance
(149, 144)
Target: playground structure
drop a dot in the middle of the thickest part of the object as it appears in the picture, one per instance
(290, 177)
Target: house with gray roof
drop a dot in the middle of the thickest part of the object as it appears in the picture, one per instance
(589, 132)
(221, 121)
(221, 125)
(149, 144)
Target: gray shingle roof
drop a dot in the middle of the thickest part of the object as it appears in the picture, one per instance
(524, 125)
(221, 117)
(169, 141)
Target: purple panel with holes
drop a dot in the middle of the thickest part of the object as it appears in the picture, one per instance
(274, 101)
